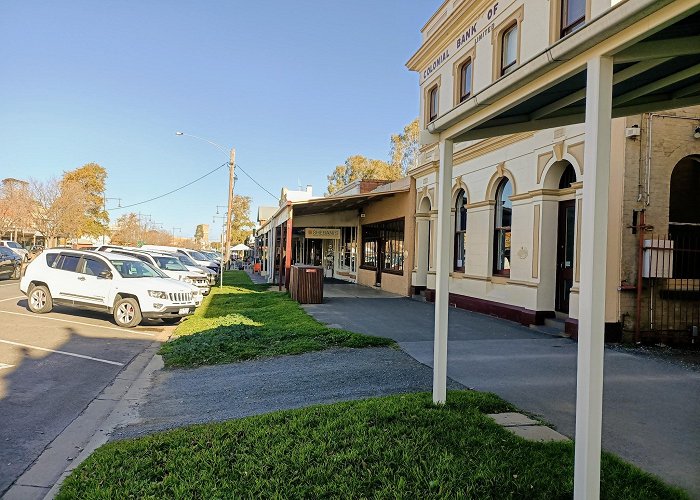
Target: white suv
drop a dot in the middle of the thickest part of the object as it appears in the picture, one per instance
(168, 264)
(126, 287)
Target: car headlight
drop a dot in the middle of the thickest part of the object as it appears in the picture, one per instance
(157, 294)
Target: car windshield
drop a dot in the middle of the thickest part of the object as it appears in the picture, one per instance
(169, 264)
(197, 255)
(211, 255)
(137, 269)
(13, 244)
(186, 260)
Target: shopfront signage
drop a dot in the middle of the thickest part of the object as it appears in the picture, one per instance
(321, 233)
(480, 29)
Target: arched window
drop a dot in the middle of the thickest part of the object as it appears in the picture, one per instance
(509, 49)
(684, 218)
(501, 232)
(568, 177)
(460, 230)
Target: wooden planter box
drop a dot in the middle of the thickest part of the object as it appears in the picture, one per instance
(306, 284)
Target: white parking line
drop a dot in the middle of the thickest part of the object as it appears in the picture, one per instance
(9, 284)
(5, 365)
(12, 298)
(36, 316)
(63, 352)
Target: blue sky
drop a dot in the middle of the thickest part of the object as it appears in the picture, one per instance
(295, 87)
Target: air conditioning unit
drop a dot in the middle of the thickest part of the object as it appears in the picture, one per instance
(632, 132)
(658, 259)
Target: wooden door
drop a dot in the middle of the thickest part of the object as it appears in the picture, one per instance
(566, 242)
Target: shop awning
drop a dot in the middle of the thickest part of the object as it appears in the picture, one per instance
(341, 203)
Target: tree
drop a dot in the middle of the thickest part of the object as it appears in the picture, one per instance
(405, 148)
(91, 177)
(241, 225)
(58, 207)
(16, 205)
(129, 230)
(358, 167)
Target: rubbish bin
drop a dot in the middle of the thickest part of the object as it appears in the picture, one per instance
(306, 284)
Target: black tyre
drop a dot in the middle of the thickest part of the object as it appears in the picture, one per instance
(127, 313)
(39, 299)
(171, 321)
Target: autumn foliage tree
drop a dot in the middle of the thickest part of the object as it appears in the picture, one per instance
(57, 207)
(403, 156)
(358, 167)
(241, 225)
(94, 219)
(16, 205)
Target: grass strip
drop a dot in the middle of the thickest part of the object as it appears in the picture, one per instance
(242, 321)
(392, 447)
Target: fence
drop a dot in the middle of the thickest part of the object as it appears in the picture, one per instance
(670, 295)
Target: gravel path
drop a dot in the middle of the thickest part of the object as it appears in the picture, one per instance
(215, 393)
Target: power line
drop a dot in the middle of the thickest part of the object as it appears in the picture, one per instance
(170, 192)
(256, 182)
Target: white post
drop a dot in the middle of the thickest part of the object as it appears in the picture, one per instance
(442, 273)
(594, 239)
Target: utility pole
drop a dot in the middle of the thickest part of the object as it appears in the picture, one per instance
(231, 178)
(178, 228)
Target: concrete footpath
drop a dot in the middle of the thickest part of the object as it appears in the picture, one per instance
(651, 406)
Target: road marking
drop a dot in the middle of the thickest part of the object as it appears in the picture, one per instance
(63, 352)
(12, 298)
(5, 365)
(36, 316)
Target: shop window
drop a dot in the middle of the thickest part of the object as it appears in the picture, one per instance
(383, 246)
(573, 16)
(509, 49)
(505, 39)
(465, 80)
(433, 102)
(502, 222)
(460, 230)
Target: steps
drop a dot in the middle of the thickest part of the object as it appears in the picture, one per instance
(554, 327)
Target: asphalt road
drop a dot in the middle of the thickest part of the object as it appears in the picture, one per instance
(51, 367)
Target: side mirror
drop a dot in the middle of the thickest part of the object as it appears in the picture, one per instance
(106, 275)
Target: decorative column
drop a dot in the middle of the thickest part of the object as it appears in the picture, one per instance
(594, 238)
(442, 259)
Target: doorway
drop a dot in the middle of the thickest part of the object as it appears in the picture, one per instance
(566, 239)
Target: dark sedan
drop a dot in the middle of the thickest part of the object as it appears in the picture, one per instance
(10, 264)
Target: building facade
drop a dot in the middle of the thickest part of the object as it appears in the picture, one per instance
(517, 198)
(364, 235)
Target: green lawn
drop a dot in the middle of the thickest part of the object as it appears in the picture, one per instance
(392, 447)
(244, 321)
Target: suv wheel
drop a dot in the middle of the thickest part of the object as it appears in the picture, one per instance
(40, 300)
(127, 313)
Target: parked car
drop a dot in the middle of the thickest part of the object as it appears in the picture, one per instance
(124, 286)
(16, 247)
(190, 264)
(201, 259)
(10, 263)
(170, 265)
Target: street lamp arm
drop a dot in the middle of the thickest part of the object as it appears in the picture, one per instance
(224, 150)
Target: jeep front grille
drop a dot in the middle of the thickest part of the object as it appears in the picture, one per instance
(180, 297)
